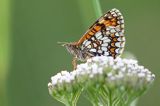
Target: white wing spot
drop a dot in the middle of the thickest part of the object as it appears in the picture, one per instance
(92, 50)
(99, 37)
(122, 21)
(112, 30)
(122, 44)
(114, 9)
(93, 38)
(107, 32)
(94, 44)
(121, 17)
(87, 43)
(105, 44)
(119, 14)
(98, 34)
(117, 50)
(106, 53)
(109, 28)
(99, 51)
(116, 34)
(89, 46)
(106, 40)
(123, 38)
(118, 22)
(122, 26)
(100, 42)
(119, 39)
(120, 51)
(122, 31)
(118, 44)
(114, 15)
(104, 48)
(117, 11)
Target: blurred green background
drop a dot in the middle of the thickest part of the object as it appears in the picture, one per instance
(30, 55)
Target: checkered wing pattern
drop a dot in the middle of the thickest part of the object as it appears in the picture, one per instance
(105, 36)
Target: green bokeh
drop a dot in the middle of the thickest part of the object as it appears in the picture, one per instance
(37, 25)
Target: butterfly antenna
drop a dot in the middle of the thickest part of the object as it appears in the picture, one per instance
(62, 43)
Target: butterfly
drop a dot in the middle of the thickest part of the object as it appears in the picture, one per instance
(105, 37)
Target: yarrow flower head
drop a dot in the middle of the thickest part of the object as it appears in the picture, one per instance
(105, 82)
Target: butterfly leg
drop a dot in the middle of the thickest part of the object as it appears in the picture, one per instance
(74, 63)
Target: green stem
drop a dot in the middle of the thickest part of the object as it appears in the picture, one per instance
(72, 99)
(110, 97)
(70, 104)
(89, 9)
(97, 8)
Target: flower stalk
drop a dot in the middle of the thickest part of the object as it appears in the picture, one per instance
(97, 8)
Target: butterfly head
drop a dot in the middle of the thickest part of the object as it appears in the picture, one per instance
(73, 49)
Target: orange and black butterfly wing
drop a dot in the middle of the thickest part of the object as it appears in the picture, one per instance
(105, 36)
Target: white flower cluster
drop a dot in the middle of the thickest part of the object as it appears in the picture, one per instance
(115, 72)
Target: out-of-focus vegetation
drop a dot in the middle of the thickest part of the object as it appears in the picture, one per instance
(29, 53)
(4, 48)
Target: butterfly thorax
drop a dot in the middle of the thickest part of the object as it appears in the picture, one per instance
(76, 51)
